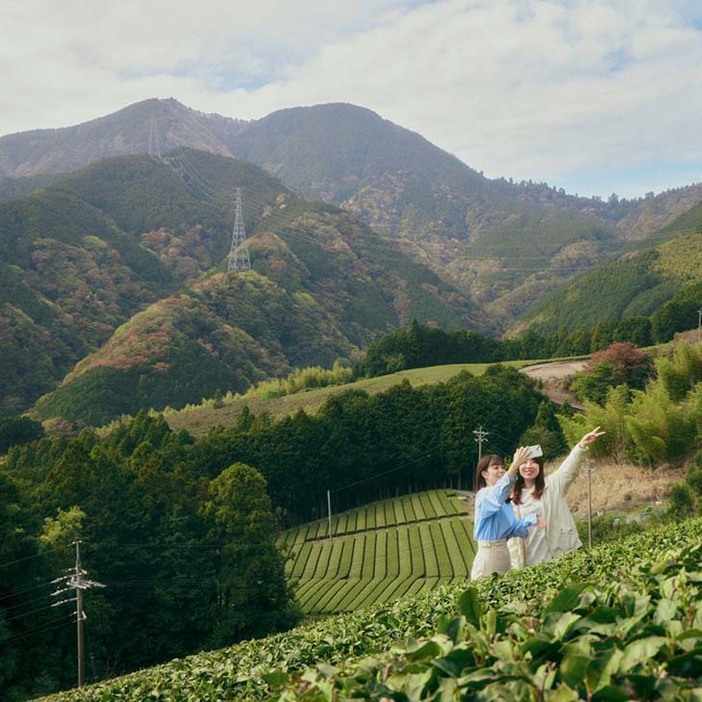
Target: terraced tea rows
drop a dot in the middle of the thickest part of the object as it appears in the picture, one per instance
(380, 552)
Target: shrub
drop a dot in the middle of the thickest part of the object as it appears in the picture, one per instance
(609, 527)
(681, 502)
(622, 363)
(660, 429)
(680, 373)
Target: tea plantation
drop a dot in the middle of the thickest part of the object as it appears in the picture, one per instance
(622, 621)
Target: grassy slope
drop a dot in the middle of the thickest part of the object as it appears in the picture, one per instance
(199, 420)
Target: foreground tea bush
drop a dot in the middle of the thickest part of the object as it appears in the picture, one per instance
(637, 640)
(629, 610)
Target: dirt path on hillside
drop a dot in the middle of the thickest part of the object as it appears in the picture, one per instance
(553, 376)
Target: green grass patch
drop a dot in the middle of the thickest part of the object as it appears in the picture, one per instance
(200, 420)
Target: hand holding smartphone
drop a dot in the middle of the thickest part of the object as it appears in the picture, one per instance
(535, 451)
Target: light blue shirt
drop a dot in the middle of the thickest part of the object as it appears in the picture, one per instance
(494, 517)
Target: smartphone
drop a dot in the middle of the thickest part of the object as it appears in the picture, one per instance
(535, 451)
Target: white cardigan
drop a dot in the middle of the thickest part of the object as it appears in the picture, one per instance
(561, 532)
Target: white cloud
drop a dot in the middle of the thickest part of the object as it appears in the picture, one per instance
(569, 92)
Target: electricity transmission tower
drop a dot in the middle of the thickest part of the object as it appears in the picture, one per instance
(238, 257)
(239, 251)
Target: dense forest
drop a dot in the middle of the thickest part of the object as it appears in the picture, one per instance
(181, 532)
(421, 345)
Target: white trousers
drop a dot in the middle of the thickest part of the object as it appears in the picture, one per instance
(492, 557)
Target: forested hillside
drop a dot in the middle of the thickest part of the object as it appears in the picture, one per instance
(128, 131)
(117, 303)
(502, 244)
(181, 531)
(122, 267)
(99, 245)
(661, 284)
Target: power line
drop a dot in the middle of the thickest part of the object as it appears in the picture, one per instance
(20, 560)
(26, 614)
(379, 475)
(154, 141)
(21, 591)
(31, 632)
(365, 480)
(204, 189)
(177, 157)
(164, 545)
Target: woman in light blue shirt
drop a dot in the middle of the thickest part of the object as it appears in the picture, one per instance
(494, 521)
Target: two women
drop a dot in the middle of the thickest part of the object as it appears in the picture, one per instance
(494, 520)
(525, 509)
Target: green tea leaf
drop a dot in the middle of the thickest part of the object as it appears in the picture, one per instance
(686, 665)
(470, 607)
(567, 599)
(642, 650)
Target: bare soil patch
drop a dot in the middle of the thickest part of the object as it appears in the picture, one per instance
(624, 488)
(553, 378)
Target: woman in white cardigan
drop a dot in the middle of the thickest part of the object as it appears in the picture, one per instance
(545, 496)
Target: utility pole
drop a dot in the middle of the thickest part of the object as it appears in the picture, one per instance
(480, 436)
(238, 252)
(329, 513)
(589, 469)
(80, 613)
(77, 582)
(699, 325)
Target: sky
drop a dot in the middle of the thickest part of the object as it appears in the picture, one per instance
(595, 97)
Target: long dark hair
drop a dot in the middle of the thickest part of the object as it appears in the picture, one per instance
(483, 463)
(539, 483)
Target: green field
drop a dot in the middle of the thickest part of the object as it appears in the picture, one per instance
(380, 552)
(199, 420)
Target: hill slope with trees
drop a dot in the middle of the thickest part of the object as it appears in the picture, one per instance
(661, 285)
(158, 515)
(130, 248)
(503, 244)
(124, 241)
(157, 510)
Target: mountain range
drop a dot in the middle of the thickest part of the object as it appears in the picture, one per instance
(114, 237)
